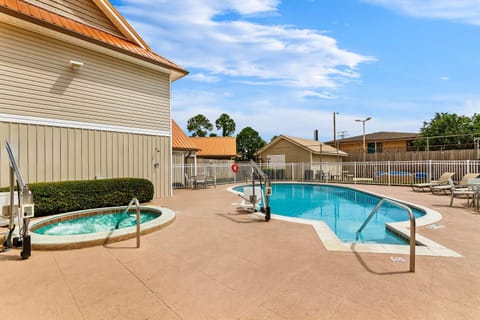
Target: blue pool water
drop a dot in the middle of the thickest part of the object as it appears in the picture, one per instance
(95, 223)
(343, 209)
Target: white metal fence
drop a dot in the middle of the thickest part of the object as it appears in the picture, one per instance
(385, 172)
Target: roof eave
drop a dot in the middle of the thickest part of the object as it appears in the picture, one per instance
(28, 22)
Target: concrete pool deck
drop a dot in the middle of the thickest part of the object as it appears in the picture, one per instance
(216, 263)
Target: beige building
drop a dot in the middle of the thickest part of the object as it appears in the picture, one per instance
(376, 143)
(82, 95)
(318, 157)
(183, 149)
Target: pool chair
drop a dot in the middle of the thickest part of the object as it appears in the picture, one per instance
(470, 191)
(448, 187)
(189, 181)
(443, 180)
(251, 198)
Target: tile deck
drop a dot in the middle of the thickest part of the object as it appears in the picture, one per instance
(213, 262)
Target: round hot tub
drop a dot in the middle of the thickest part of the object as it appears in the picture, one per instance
(85, 228)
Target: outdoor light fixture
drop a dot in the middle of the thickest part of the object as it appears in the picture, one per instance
(76, 64)
(365, 120)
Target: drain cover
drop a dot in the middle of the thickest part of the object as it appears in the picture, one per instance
(435, 226)
(397, 259)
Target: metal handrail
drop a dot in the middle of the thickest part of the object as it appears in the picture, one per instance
(137, 205)
(412, 226)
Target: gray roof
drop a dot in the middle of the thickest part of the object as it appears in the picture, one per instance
(379, 136)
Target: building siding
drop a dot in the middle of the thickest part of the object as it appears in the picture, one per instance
(49, 153)
(36, 80)
(84, 11)
(293, 153)
(399, 145)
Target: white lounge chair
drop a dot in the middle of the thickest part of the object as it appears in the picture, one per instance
(447, 187)
(251, 198)
(443, 180)
(470, 190)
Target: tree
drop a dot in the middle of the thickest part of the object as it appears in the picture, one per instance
(225, 123)
(199, 126)
(273, 138)
(248, 143)
(448, 129)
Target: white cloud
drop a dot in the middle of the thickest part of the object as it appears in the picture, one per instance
(314, 94)
(466, 11)
(444, 78)
(471, 107)
(216, 38)
(204, 78)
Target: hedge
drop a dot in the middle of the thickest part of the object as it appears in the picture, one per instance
(64, 196)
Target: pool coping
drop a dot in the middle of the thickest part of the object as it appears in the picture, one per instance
(67, 242)
(331, 242)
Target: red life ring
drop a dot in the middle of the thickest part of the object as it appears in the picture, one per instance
(235, 167)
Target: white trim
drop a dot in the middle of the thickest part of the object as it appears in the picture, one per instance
(119, 23)
(4, 117)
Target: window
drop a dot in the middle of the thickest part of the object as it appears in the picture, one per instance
(371, 147)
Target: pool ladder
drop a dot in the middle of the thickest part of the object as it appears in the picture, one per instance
(135, 202)
(412, 226)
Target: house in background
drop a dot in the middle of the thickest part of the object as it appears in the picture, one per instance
(183, 148)
(319, 158)
(375, 143)
(82, 95)
(215, 157)
(217, 150)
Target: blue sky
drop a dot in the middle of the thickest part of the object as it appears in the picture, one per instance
(284, 67)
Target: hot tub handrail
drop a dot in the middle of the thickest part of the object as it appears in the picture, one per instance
(412, 226)
(135, 202)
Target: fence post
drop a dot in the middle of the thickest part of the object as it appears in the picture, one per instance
(303, 171)
(355, 172)
(429, 170)
(468, 166)
(389, 170)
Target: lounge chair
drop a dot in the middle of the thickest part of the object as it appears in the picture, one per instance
(447, 187)
(443, 180)
(200, 180)
(251, 198)
(470, 190)
(189, 181)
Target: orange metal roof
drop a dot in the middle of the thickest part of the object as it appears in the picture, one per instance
(180, 141)
(224, 147)
(27, 11)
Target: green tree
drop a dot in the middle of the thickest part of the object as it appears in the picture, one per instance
(476, 124)
(225, 123)
(248, 143)
(273, 138)
(199, 126)
(448, 129)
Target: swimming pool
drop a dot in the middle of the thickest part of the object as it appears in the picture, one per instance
(342, 209)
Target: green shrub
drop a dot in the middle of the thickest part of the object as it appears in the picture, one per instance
(64, 196)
